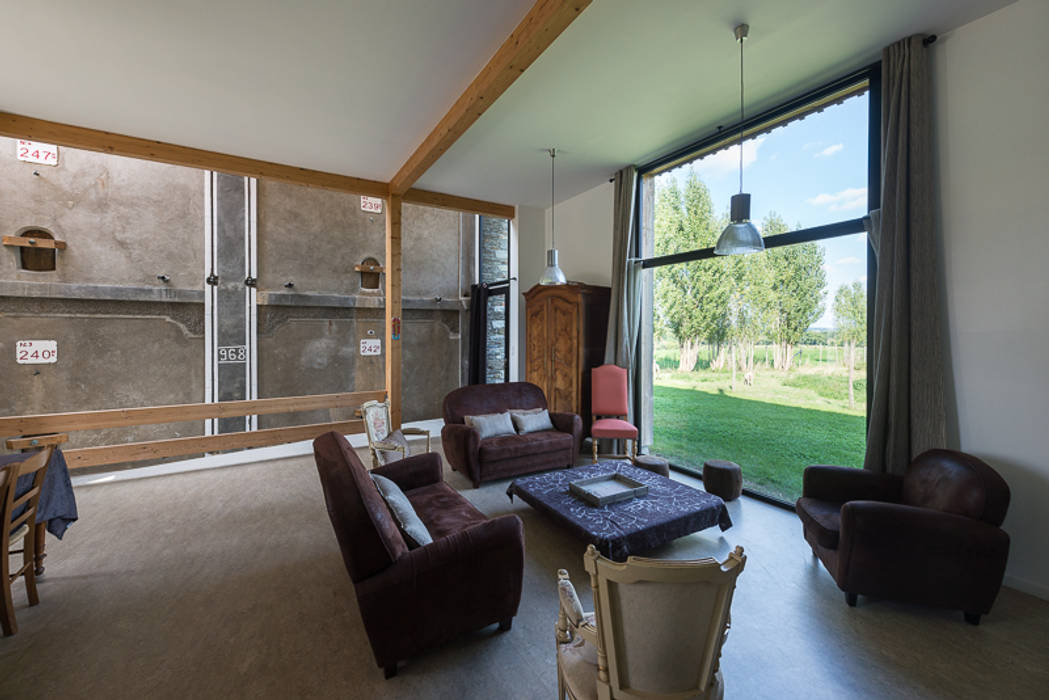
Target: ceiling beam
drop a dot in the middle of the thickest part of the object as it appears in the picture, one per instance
(543, 23)
(20, 127)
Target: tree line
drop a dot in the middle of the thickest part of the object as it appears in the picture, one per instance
(733, 303)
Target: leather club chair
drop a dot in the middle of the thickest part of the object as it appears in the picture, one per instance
(410, 600)
(931, 536)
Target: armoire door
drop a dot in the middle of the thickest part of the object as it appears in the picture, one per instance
(563, 330)
(537, 357)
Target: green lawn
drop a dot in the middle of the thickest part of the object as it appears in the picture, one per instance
(773, 429)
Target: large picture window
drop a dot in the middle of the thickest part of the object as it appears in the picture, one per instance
(761, 359)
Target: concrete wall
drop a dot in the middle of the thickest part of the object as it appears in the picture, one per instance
(531, 261)
(129, 339)
(125, 220)
(992, 111)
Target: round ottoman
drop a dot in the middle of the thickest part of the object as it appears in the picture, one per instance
(723, 478)
(652, 463)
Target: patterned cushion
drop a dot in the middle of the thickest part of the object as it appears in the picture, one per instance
(414, 531)
(531, 421)
(394, 438)
(491, 424)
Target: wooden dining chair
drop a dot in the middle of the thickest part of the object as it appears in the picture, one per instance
(18, 517)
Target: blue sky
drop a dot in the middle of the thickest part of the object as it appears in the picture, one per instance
(810, 172)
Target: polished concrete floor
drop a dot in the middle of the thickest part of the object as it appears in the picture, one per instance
(228, 583)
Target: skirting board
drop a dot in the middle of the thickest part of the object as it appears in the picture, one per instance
(230, 459)
(1038, 590)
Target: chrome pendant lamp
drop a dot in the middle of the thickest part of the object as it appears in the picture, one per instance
(552, 274)
(740, 236)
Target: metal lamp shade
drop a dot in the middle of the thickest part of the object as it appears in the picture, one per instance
(552, 274)
(740, 236)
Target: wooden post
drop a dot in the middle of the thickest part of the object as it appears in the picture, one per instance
(394, 324)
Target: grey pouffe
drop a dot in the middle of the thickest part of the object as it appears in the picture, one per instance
(723, 478)
(652, 463)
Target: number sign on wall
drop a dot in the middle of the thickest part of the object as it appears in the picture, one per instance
(233, 353)
(371, 204)
(36, 152)
(371, 346)
(36, 352)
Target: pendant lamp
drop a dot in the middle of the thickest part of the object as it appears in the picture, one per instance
(552, 274)
(740, 236)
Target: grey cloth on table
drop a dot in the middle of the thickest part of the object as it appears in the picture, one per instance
(57, 504)
(670, 510)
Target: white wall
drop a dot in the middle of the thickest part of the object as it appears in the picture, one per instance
(992, 145)
(584, 235)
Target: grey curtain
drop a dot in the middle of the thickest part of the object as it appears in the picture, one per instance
(624, 312)
(906, 363)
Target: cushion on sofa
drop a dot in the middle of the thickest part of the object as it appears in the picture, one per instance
(415, 533)
(443, 510)
(822, 518)
(509, 446)
(531, 421)
(491, 424)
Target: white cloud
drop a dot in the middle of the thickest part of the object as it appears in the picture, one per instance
(829, 151)
(851, 260)
(851, 198)
(727, 160)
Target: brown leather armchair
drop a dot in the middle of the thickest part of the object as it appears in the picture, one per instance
(932, 536)
(503, 456)
(414, 599)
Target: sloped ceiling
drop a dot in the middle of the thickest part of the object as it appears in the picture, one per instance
(354, 87)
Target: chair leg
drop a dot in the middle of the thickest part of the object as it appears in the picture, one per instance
(7, 611)
(29, 566)
(972, 618)
(389, 671)
(593, 441)
(505, 625)
(850, 599)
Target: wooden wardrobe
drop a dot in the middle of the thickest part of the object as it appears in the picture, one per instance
(565, 329)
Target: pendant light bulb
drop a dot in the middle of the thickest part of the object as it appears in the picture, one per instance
(740, 236)
(552, 274)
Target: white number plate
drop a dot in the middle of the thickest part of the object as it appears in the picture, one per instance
(372, 204)
(233, 353)
(36, 352)
(36, 152)
(371, 346)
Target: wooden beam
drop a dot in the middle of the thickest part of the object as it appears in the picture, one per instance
(24, 242)
(19, 127)
(151, 415)
(178, 447)
(464, 204)
(543, 23)
(394, 324)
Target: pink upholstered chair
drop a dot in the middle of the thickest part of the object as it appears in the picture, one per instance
(608, 398)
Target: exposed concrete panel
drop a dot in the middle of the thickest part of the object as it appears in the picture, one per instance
(313, 238)
(431, 252)
(118, 361)
(125, 220)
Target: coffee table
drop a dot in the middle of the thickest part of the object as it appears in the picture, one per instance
(670, 510)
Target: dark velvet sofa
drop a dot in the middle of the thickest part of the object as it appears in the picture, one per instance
(413, 599)
(505, 455)
(932, 536)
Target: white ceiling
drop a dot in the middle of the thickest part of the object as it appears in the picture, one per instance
(354, 87)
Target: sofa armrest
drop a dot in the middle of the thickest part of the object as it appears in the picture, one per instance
(412, 472)
(829, 483)
(920, 554)
(461, 443)
(572, 424)
(457, 583)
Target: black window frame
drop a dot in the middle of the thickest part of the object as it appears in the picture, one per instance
(765, 121)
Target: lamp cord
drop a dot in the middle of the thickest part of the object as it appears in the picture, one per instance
(553, 232)
(741, 39)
